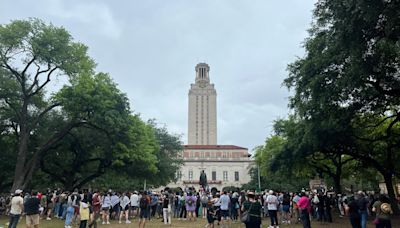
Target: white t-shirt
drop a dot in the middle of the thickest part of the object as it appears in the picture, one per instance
(224, 201)
(272, 202)
(135, 200)
(124, 201)
(17, 203)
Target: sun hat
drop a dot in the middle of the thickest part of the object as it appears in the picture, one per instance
(18, 191)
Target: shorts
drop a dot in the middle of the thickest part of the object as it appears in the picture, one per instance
(144, 213)
(50, 206)
(133, 208)
(224, 213)
(126, 208)
(210, 219)
(204, 205)
(106, 209)
(285, 208)
(116, 208)
(32, 220)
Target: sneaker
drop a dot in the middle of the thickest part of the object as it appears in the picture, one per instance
(103, 223)
(119, 222)
(48, 219)
(108, 223)
(127, 221)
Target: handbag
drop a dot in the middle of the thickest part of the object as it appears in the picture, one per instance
(376, 221)
(245, 216)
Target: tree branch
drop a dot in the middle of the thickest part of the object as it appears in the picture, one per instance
(28, 65)
(44, 84)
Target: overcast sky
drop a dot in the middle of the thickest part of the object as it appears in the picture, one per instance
(150, 48)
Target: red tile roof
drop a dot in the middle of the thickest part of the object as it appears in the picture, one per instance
(214, 147)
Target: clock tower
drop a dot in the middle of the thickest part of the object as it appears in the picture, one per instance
(202, 109)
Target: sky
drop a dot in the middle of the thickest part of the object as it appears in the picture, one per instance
(150, 48)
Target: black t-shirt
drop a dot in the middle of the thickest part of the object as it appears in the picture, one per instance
(31, 206)
(362, 204)
(353, 210)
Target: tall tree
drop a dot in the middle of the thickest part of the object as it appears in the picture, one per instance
(351, 67)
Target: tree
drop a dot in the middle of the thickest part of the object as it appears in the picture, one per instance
(31, 55)
(168, 160)
(351, 68)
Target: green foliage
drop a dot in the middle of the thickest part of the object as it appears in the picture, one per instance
(347, 86)
(79, 133)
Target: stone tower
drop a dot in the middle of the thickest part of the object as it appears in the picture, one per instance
(202, 109)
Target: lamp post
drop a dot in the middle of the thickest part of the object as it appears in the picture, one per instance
(259, 178)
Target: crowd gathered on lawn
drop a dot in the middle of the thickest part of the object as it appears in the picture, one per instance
(91, 208)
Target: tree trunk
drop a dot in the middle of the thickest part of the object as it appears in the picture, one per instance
(338, 185)
(391, 193)
(19, 177)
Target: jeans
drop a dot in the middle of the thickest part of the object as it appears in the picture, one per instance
(305, 218)
(64, 212)
(70, 214)
(56, 209)
(355, 222)
(274, 217)
(177, 209)
(13, 221)
(363, 216)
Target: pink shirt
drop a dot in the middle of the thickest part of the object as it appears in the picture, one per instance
(304, 203)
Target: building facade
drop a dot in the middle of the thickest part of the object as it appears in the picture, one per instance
(224, 165)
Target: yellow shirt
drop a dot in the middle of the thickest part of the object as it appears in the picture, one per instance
(84, 211)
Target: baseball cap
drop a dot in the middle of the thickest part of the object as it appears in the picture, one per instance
(18, 191)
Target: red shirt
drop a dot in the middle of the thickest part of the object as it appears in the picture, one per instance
(96, 203)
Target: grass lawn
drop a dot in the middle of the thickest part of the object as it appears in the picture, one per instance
(56, 223)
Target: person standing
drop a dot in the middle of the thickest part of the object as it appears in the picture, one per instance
(31, 208)
(96, 205)
(17, 205)
(305, 208)
(144, 209)
(254, 211)
(124, 202)
(70, 211)
(105, 207)
(362, 203)
(353, 214)
(166, 207)
(383, 212)
(273, 202)
(84, 212)
(224, 206)
(191, 206)
(134, 204)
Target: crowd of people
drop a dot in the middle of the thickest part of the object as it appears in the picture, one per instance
(91, 208)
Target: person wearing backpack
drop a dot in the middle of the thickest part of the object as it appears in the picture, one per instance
(144, 209)
(204, 201)
(191, 206)
(252, 208)
(383, 212)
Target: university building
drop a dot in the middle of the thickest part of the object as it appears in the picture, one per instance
(224, 165)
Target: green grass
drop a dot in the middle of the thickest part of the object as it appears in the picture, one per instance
(56, 223)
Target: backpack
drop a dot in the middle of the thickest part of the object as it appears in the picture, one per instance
(143, 202)
(190, 201)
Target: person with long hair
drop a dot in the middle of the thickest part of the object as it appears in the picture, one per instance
(254, 211)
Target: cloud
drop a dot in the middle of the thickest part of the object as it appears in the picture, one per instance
(150, 48)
